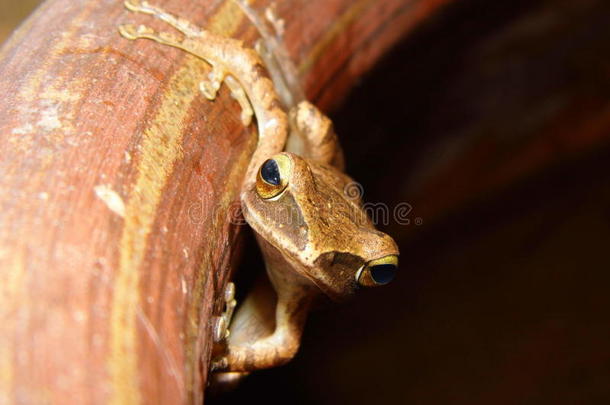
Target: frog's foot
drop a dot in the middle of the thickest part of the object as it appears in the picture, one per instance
(315, 138)
(221, 327)
(220, 363)
(229, 378)
(217, 76)
(134, 32)
(192, 34)
(178, 23)
(220, 383)
(210, 88)
(239, 94)
(278, 24)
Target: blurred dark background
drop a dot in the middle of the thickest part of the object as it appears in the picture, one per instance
(492, 121)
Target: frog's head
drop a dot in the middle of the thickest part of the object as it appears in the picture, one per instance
(302, 209)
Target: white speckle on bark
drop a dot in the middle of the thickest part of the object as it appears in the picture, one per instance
(111, 198)
(49, 117)
(26, 128)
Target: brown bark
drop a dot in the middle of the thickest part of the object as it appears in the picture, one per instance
(118, 180)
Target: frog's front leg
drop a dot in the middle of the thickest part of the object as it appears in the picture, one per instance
(191, 43)
(221, 326)
(313, 137)
(272, 351)
(265, 332)
(178, 23)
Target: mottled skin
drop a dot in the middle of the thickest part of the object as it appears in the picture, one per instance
(316, 239)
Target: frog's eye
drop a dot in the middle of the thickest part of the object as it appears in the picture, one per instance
(273, 177)
(378, 272)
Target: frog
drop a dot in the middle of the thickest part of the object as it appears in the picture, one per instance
(315, 236)
(316, 240)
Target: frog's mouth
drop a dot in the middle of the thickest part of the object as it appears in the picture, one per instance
(338, 295)
(336, 274)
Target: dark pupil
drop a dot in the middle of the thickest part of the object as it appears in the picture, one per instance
(383, 273)
(270, 172)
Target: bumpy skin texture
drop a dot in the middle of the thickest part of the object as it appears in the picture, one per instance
(315, 237)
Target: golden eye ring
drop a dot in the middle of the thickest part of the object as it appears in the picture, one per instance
(378, 272)
(272, 177)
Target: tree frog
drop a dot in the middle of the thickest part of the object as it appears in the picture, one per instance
(316, 238)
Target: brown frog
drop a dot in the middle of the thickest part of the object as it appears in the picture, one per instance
(316, 240)
(315, 237)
